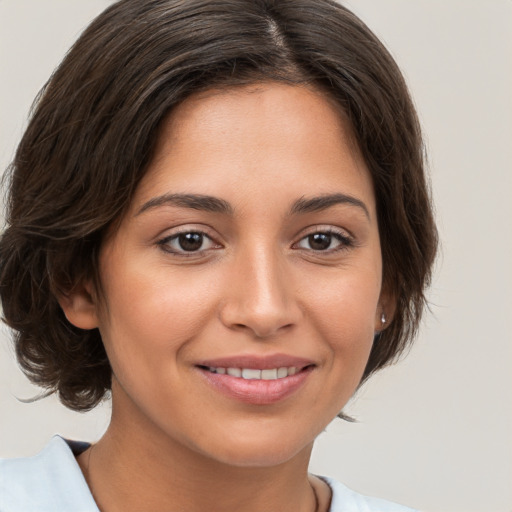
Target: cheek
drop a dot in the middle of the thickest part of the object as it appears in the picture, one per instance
(151, 315)
(343, 311)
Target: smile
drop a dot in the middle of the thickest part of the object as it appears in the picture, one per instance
(257, 381)
(255, 374)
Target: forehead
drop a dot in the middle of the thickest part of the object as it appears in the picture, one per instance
(256, 111)
(256, 135)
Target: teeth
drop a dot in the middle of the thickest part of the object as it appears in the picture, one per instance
(282, 372)
(251, 374)
(254, 374)
(269, 374)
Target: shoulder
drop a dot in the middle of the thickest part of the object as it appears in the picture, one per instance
(49, 481)
(347, 500)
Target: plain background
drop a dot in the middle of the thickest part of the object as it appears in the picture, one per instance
(434, 432)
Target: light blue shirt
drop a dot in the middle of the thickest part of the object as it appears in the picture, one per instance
(53, 482)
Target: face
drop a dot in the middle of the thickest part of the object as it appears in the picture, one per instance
(242, 290)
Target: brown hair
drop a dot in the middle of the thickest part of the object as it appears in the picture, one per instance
(93, 130)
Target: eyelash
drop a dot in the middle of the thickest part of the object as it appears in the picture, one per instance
(164, 243)
(345, 242)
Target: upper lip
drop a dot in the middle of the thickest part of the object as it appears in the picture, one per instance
(257, 362)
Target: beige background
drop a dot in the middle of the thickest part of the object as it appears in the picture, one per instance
(434, 432)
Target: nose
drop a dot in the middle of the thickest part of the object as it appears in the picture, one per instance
(259, 296)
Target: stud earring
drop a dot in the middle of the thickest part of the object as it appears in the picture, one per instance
(383, 318)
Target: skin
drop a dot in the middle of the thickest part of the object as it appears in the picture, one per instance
(255, 286)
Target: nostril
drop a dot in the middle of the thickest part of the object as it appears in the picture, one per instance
(263, 314)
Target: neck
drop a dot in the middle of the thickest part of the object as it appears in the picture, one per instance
(134, 467)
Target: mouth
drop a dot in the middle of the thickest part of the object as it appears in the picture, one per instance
(257, 385)
(254, 373)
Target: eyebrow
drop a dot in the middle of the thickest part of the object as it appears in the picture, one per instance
(215, 205)
(193, 201)
(315, 204)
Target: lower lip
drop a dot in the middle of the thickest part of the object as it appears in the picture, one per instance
(257, 391)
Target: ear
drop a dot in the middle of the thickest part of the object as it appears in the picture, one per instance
(385, 310)
(79, 306)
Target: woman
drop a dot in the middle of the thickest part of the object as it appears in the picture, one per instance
(219, 214)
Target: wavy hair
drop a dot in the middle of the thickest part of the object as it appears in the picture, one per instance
(92, 134)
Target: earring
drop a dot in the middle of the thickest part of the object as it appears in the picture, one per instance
(383, 318)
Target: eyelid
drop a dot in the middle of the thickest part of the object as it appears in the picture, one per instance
(325, 228)
(171, 231)
(172, 234)
(346, 239)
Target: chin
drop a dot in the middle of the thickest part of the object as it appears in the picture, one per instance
(260, 451)
(257, 458)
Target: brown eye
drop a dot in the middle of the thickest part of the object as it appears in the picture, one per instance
(190, 241)
(187, 242)
(320, 241)
(325, 241)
